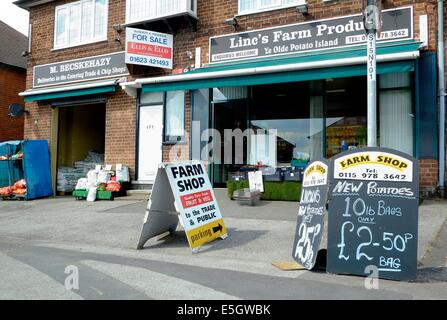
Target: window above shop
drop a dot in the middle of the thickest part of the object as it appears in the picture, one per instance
(254, 6)
(80, 22)
(144, 10)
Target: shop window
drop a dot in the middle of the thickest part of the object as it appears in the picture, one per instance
(200, 122)
(174, 129)
(80, 22)
(346, 109)
(229, 93)
(152, 98)
(396, 112)
(295, 112)
(253, 6)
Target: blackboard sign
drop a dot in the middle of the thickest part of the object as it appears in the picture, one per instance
(310, 222)
(373, 214)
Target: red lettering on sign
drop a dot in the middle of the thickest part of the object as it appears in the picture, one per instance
(195, 199)
(149, 50)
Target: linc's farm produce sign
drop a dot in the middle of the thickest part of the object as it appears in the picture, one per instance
(397, 25)
(310, 222)
(373, 214)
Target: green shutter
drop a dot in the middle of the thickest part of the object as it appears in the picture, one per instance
(71, 93)
(294, 76)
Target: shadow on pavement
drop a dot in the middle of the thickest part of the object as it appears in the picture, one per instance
(431, 274)
(236, 238)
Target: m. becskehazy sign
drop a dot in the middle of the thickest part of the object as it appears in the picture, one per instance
(397, 24)
(90, 68)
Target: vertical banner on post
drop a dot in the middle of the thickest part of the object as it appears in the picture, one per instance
(310, 221)
(196, 202)
(373, 214)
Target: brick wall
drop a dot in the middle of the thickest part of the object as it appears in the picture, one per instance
(38, 122)
(428, 176)
(121, 130)
(12, 81)
(121, 127)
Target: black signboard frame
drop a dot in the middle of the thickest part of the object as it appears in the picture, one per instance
(311, 213)
(372, 222)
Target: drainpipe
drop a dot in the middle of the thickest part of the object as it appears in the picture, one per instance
(442, 94)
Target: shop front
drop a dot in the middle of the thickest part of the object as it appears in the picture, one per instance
(77, 93)
(307, 84)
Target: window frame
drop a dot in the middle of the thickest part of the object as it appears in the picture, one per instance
(266, 8)
(166, 140)
(189, 7)
(67, 23)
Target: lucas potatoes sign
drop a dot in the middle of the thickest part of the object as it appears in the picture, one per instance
(149, 48)
(310, 221)
(196, 202)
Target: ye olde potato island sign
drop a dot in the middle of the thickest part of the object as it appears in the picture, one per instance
(310, 223)
(373, 213)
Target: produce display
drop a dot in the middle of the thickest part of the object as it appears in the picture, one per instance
(5, 191)
(18, 189)
(113, 186)
(25, 170)
(17, 156)
(67, 177)
(103, 183)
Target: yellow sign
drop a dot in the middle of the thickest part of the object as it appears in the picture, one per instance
(206, 233)
(316, 168)
(396, 163)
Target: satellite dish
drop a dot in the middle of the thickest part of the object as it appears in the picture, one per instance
(16, 110)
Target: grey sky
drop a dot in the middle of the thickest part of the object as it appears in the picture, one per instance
(14, 16)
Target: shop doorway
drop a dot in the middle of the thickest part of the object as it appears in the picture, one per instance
(80, 143)
(230, 115)
(150, 142)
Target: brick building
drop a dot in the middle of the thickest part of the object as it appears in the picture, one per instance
(12, 80)
(292, 65)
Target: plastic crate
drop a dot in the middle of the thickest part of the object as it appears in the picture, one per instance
(100, 195)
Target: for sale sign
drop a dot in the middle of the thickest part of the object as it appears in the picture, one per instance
(149, 48)
(196, 202)
(373, 214)
(310, 221)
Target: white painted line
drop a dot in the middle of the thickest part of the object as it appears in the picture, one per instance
(21, 281)
(157, 285)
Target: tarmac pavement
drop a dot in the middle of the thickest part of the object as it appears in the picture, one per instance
(42, 237)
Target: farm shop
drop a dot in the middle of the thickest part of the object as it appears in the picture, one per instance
(317, 101)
